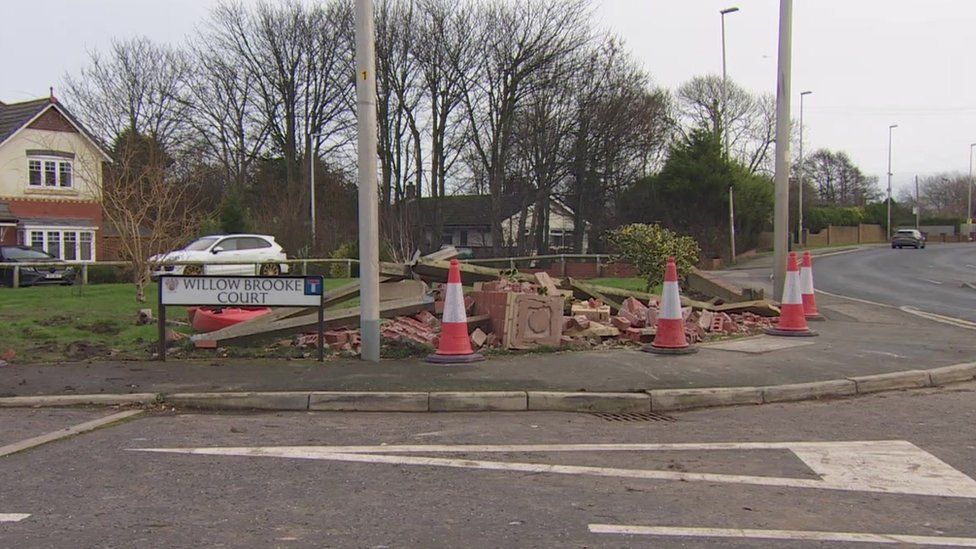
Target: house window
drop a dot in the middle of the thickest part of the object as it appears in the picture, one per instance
(447, 239)
(50, 172)
(464, 238)
(67, 244)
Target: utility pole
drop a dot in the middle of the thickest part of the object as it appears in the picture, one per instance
(918, 205)
(313, 149)
(799, 186)
(369, 254)
(891, 127)
(725, 135)
(782, 189)
(969, 201)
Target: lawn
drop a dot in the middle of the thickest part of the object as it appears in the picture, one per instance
(51, 323)
(635, 284)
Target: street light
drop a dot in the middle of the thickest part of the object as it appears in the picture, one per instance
(313, 149)
(891, 127)
(799, 193)
(969, 209)
(725, 134)
(781, 209)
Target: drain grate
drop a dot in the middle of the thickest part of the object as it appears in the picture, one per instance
(634, 416)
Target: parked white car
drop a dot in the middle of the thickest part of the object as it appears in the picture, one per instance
(231, 255)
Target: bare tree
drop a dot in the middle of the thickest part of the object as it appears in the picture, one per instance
(518, 41)
(139, 86)
(838, 181)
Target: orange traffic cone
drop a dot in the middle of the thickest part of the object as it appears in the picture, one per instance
(792, 321)
(670, 338)
(806, 289)
(454, 346)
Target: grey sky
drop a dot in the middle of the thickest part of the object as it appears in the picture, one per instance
(870, 63)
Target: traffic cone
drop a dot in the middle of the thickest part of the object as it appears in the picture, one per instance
(806, 289)
(670, 338)
(792, 321)
(454, 346)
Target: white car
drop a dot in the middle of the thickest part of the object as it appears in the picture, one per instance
(230, 255)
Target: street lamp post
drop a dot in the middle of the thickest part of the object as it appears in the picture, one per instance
(969, 200)
(781, 208)
(918, 205)
(725, 134)
(891, 127)
(799, 190)
(313, 149)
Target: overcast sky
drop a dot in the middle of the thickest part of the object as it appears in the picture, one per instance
(870, 63)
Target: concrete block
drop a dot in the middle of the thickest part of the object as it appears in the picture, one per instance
(953, 374)
(809, 391)
(241, 401)
(39, 401)
(348, 401)
(683, 399)
(588, 402)
(508, 401)
(909, 379)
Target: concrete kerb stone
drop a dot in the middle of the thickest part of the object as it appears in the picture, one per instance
(908, 379)
(348, 401)
(953, 374)
(549, 401)
(665, 400)
(809, 391)
(40, 401)
(489, 401)
(241, 401)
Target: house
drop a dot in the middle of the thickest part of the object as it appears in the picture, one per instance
(50, 180)
(466, 222)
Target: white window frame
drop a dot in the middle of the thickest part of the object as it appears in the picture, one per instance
(58, 170)
(27, 239)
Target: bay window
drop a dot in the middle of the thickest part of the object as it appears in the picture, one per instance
(66, 244)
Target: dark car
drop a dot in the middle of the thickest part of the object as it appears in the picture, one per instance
(908, 237)
(58, 272)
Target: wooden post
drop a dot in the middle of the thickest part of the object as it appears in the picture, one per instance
(84, 274)
(599, 267)
(161, 314)
(321, 333)
(16, 280)
(304, 267)
(562, 265)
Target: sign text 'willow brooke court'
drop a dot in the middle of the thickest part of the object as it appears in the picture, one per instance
(299, 291)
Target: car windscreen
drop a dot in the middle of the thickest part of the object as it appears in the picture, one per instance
(200, 244)
(21, 253)
(905, 233)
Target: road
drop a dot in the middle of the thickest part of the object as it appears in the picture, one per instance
(930, 280)
(170, 479)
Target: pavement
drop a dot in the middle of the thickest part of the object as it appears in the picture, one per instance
(295, 479)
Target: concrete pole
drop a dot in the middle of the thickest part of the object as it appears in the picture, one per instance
(311, 186)
(725, 136)
(918, 205)
(799, 177)
(969, 201)
(369, 254)
(891, 127)
(782, 194)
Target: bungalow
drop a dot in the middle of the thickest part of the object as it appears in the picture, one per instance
(50, 180)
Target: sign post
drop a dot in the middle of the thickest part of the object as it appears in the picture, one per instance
(240, 291)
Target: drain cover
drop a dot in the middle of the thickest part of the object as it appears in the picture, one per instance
(635, 416)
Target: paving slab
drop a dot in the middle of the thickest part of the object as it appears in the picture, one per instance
(759, 345)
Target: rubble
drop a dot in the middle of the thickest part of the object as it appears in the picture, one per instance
(508, 310)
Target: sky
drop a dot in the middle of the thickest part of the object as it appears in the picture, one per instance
(869, 63)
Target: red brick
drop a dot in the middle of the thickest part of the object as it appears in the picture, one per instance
(621, 323)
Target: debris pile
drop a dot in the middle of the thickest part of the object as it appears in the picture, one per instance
(504, 310)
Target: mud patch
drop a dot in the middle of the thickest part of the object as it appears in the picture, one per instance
(54, 321)
(104, 327)
(83, 350)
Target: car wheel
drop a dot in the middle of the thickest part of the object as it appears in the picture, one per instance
(193, 270)
(893, 246)
(270, 269)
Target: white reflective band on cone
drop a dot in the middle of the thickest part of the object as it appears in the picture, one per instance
(791, 295)
(671, 306)
(806, 280)
(454, 304)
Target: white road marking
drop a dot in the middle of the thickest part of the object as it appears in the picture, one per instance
(13, 517)
(891, 466)
(930, 281)
(958, 322)
(802, 535)
(64, 433)
(971, 266)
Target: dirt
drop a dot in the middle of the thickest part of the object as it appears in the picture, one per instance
(103, 327)
(56, 320)
(83, 350)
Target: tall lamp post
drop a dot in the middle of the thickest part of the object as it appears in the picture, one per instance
(725, 133)
(891, 127)
(781, 208)
(799, 190)
(969, 200)
(313, 148)
(369, 251)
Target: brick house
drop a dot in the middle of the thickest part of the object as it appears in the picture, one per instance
(50, 180)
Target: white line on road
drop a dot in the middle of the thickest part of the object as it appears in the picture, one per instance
(892, 466)
(930, 281)
(13, 517)
(64, 433)
(958, 322)
(801, 535)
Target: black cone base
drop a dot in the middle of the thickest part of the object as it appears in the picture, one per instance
(666, 351)
(790, 333)
(454, 359)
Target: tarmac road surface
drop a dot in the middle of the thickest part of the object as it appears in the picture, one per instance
(791, 478)
(931, 280)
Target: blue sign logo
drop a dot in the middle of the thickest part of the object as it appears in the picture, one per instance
(313, 286)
